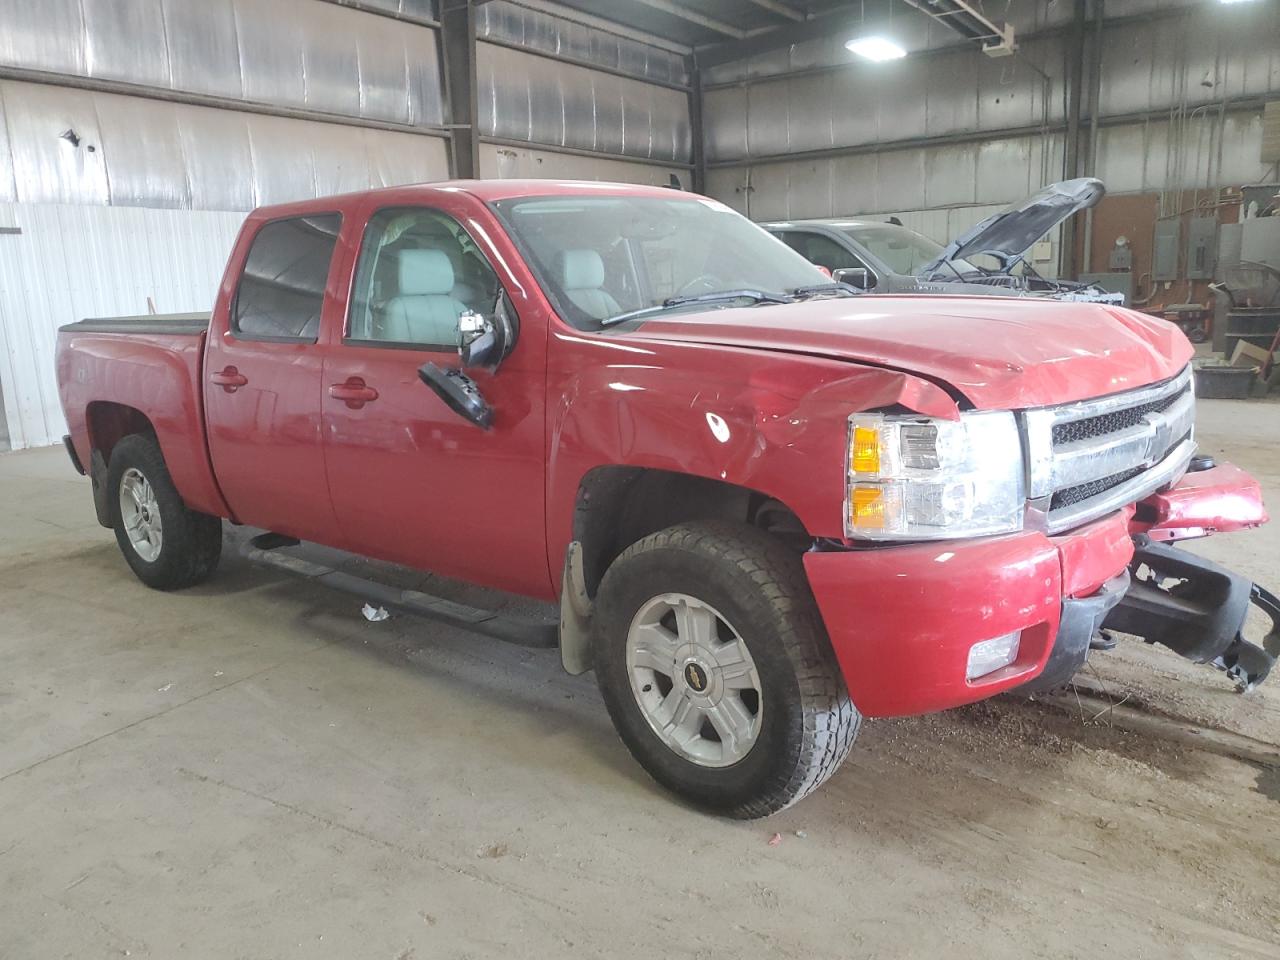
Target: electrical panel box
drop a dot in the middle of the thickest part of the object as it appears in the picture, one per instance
(1202, 248)
(1164, 257)
(1121, 258)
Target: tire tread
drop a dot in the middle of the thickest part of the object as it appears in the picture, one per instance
(830, 721)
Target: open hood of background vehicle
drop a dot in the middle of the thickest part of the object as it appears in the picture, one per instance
(1008, 235)
(1001, 353)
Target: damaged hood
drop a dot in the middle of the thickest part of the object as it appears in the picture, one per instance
(1001, 353)
(1008, 235)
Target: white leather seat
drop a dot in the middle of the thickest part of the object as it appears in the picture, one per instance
(425, 310)
(582, 276)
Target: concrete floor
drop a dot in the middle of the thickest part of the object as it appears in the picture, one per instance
(250, 769)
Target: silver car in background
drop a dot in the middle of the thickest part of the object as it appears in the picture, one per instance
(987, 259)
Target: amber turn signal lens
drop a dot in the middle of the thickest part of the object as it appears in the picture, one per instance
(866, 450)
(866, 507)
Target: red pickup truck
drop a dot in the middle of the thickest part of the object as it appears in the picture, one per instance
(767, 504)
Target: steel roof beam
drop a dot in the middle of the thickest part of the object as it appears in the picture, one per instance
(701, 19)
(781, 9)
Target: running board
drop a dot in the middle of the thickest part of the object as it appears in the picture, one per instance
(518, 630)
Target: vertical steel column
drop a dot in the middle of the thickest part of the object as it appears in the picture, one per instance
(458, 47)
(1075, 93)
(1095, 113)
(697, 146)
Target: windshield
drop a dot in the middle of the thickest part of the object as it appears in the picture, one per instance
(901, 250)
(601, 258)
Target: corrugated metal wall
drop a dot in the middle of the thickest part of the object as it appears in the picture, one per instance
(527, 97)
(503, 22)
(289, 53)
(1176, 106)
(509, 163)
(65, 145)
(72, 261)
(177, 108)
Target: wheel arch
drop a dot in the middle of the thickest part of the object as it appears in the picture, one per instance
(109, 422)
(618, 505)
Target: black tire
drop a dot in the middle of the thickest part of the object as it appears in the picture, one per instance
(191, 543)
(808, 724)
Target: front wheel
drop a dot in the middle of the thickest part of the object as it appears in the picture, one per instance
(167, 546)
(717, 671)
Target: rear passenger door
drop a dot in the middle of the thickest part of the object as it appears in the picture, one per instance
(262, 379)
(411, 481)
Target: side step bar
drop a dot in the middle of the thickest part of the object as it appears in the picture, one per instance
(518, 630)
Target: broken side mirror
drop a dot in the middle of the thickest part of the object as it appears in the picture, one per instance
(859, 277)
(485, 341)
(459, 393)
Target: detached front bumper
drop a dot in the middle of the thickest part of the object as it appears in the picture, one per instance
(903, 619)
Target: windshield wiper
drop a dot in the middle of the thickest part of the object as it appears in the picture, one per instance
(756, 296)
(843, 289)
(632, 314)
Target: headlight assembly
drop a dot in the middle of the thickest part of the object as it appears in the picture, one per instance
(915, 478)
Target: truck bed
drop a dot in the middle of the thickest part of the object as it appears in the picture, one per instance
(177, 324)
(120, 375)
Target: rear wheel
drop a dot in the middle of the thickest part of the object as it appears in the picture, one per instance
(714, 664)
(167, 546)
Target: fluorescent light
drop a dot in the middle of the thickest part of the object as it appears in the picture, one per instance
(875, 48)
(1232, 1)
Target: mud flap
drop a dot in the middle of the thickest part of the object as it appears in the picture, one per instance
(1197, 609)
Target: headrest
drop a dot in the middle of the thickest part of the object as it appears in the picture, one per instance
(581, 270)
(425, 273)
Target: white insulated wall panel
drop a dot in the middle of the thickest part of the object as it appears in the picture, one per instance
(71, 262)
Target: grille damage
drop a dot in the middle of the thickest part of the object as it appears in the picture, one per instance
(1108, 423)
(1083, 491)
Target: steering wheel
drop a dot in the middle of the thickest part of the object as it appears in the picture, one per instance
(702, 283)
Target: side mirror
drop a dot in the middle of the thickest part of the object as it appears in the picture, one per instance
(486, 341)
(859, 277)
(459, 393)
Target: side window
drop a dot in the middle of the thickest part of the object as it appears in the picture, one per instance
(419, 270)
(282, 287)
(821, 250)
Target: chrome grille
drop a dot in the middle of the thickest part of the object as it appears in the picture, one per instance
(1086, 491)
(1106, 423)
(1087, 459)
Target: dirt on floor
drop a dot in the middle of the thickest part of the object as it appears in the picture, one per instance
(251, 769)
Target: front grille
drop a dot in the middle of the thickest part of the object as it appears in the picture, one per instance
(1092, 457)
(1106, 423)
(1085, 491)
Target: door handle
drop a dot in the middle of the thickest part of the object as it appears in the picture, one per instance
(355, 393)
(229, 379)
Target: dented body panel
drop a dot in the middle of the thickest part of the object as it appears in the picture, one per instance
(1218, 500)
(757, 400)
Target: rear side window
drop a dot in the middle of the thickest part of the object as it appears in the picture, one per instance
(282, 287)
(821, 250)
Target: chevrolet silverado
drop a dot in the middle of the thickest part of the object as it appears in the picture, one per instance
(766, 504)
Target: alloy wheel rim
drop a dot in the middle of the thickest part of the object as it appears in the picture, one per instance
(140, 514)
(694, 680)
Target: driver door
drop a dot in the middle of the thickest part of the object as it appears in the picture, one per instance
(411, 481)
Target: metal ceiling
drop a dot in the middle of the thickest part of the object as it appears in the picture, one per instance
(698, 23)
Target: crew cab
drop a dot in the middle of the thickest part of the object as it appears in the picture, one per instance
(766, 505)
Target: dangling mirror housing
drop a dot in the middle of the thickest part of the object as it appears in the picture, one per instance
(485, 341)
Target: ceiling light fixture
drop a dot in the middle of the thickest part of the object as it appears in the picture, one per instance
(876, 49)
